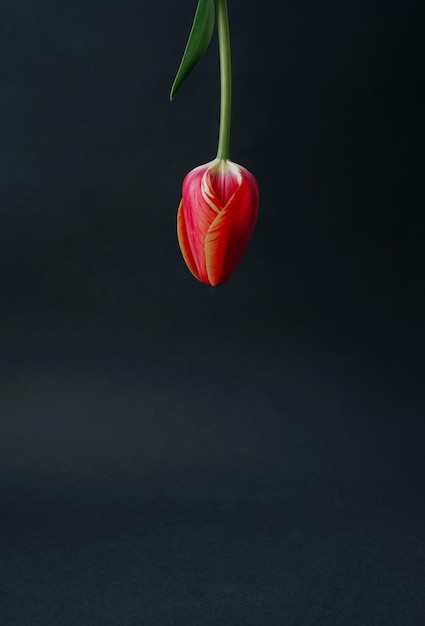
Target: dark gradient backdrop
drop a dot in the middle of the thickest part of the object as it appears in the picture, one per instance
(177, 455)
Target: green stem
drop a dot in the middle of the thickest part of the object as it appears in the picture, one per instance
(225, 78)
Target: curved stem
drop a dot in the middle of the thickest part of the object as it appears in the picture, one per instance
(225, 78)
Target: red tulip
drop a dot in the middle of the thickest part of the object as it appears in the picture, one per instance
(216, 219)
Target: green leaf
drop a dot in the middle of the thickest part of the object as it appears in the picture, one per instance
(199, 39)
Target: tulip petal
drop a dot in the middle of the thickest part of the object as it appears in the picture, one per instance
(184, 242)
(200, 210)
(229, 234)
(225, 178)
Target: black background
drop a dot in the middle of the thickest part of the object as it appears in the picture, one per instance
(177, 454)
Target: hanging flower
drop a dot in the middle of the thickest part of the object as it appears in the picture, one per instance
(220, 199)
(216, 219)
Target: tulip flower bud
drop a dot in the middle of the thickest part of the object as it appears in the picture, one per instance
(216, 219)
